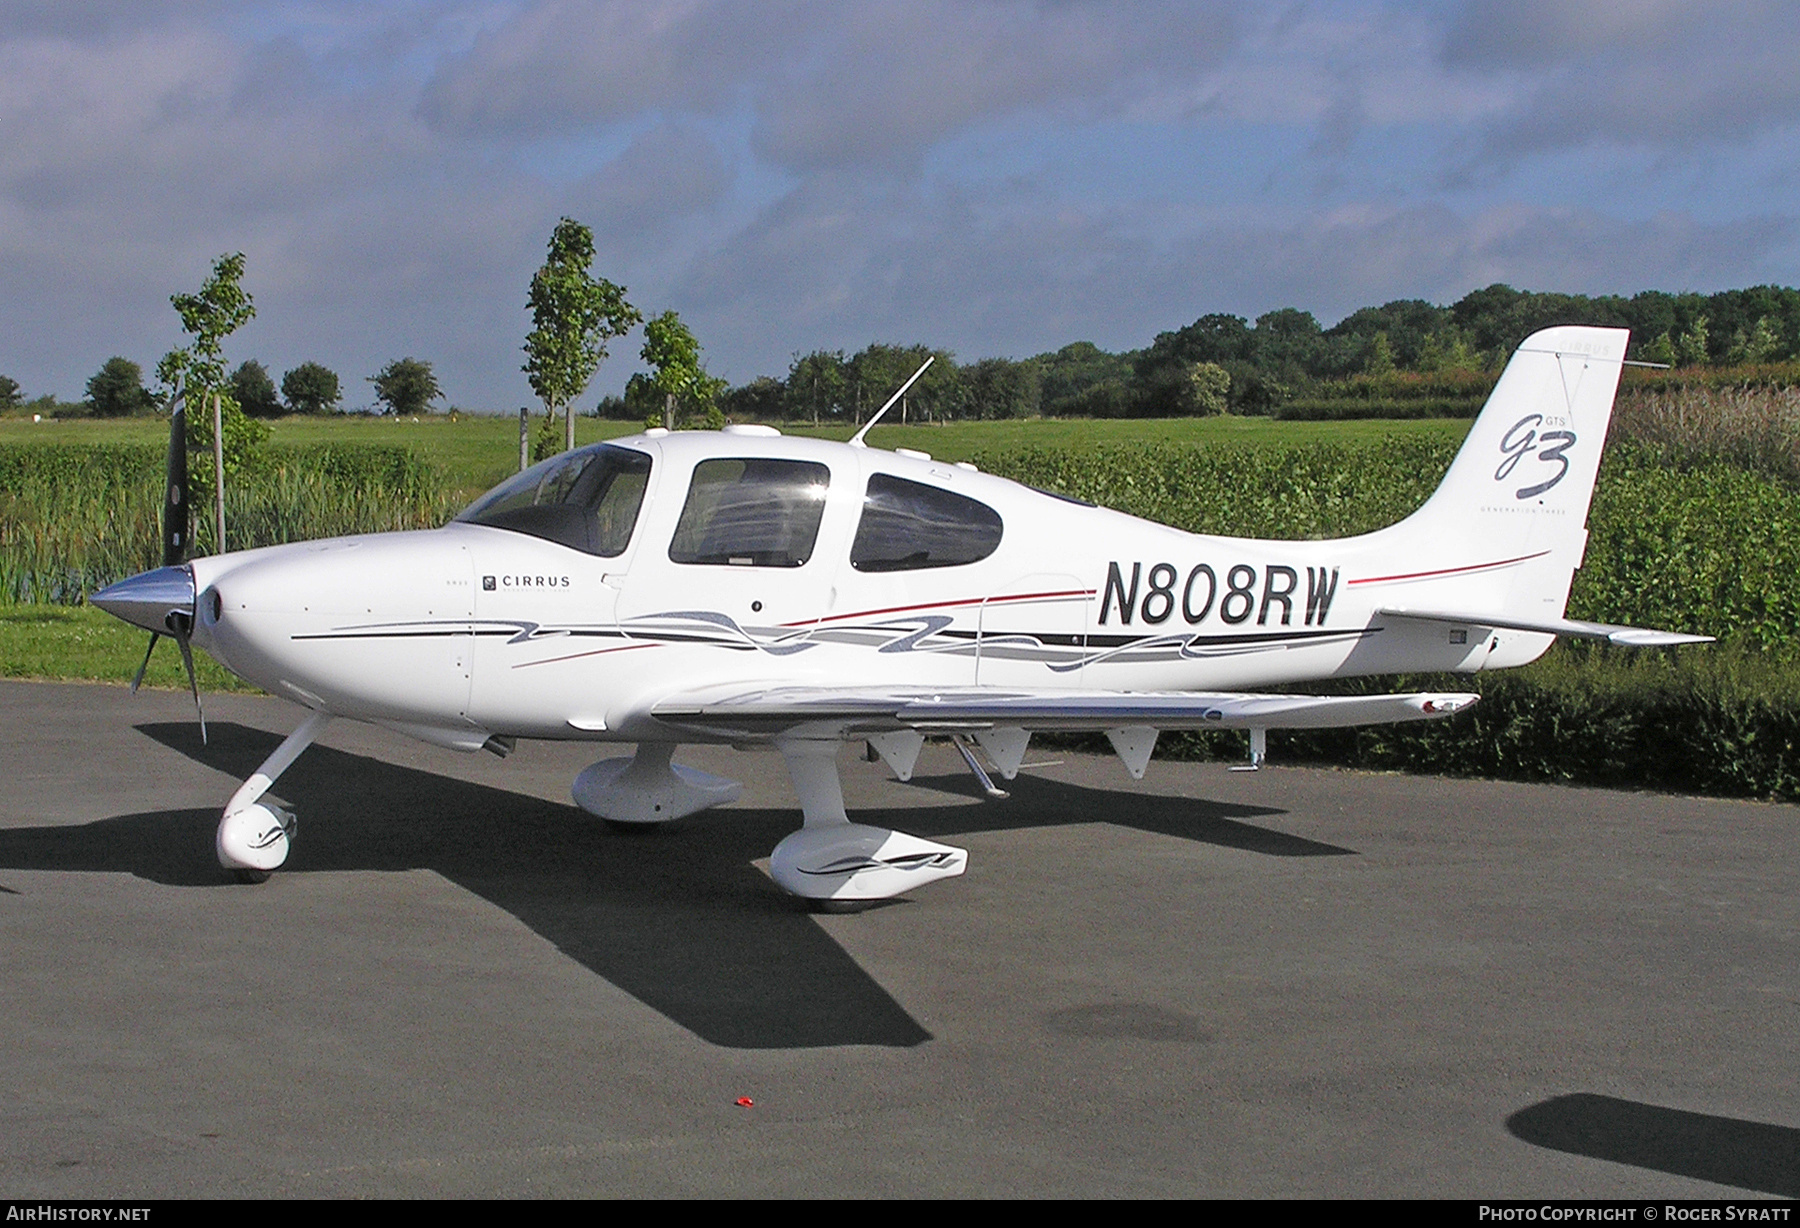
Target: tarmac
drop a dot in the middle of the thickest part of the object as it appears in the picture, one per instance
(1294, 982)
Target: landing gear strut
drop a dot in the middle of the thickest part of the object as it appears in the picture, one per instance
(638, 793)
(833, 860)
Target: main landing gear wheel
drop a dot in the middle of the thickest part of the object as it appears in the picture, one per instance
(838, 908)
(250, 876)
(619, 827)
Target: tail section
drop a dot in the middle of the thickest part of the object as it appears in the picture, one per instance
(1533, 454)
(1507, 527)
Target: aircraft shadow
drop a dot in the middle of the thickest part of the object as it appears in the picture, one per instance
(1040, 802)
(686, 925)
(1750, 1155)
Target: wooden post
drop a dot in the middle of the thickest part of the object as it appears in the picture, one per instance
(524, 439)
(219, 469)
(569, 426)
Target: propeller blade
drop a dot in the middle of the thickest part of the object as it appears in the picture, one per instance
(187, 659)
(175, 487)
(139, 680)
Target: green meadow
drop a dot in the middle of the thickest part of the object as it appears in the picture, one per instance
(474, 452)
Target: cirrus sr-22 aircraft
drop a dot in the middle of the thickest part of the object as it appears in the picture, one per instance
(747, 588)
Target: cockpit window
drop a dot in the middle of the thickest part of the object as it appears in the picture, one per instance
(587, 499)
(909, 526)
(751, 513)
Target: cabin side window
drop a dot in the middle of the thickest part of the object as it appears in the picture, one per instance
(753, 512)
(909, 526)
(587, 500)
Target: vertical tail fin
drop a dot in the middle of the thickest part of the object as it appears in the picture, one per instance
(1506, 529)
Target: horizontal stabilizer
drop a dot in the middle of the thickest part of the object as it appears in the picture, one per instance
(1634, 637)
(840, 712)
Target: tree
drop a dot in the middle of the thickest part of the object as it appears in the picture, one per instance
(1209, 384)
(1691, 346)
(1659, 350)
(573, 316)
(212, 315)
(816, 383)
(670, 348)
(1001, 388)
(198, 371)
(255, 391)
(9, 392)
(763, 398)
(1381, 356)
(117, 389)
(876, 371)
(1404, 322)
(311, 388)
(1067, 376)
(1758, 346)
(406, 386)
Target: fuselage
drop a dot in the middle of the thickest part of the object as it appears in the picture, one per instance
(470, 630)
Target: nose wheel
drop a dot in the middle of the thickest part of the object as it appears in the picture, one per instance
(254, 837)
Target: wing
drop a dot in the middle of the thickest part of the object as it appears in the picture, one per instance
(849, 712)
(1634, 637)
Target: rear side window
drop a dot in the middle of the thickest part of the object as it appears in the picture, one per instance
(751, 513)
(909, 526)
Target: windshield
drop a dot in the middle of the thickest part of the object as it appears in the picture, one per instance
(587, 500)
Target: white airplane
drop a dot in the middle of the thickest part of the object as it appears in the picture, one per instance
(747, 588)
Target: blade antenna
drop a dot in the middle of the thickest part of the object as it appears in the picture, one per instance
(856, 440)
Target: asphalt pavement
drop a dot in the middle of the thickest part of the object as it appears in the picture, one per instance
(1291, 982)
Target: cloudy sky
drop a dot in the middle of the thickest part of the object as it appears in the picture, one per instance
(994, 178)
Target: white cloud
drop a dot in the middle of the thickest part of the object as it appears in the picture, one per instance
(830, 85)
(1667, 75)
(838, 266)
(994, 177)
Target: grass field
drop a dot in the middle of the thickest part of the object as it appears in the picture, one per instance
(80, 642)
(474, 453)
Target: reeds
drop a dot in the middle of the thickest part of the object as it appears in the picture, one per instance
(74, 519)
(1750, 427)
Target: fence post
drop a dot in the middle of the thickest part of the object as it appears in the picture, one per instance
(219, 468)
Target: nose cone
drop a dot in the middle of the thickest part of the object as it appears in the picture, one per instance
(148, 599)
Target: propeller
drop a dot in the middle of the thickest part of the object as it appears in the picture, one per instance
(175, 488)
(162, 601)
